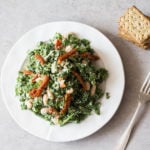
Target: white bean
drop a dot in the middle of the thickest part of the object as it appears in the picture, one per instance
(45, 99)
(50, 94)
(29, 104)
(62, 83)
(93, 89)
(44, 111)
(87, 84)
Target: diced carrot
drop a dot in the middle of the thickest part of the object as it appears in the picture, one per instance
(53, 111)
(44, 82)
(27, 72)
(35, 77)
(63, 85)
(37, 92)
(89, 56)
(58, 44)
(40, 59)
(80, 79)
(66, 55)
(66, 104)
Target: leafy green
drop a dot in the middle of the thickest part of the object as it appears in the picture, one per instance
(82, 102)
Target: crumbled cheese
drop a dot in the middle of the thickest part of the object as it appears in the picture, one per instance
(54, 67)
(55, 85)
(55, 120)
(28, 104)
(38, 79)
(70, 91)
(65, 69)
(68, 48)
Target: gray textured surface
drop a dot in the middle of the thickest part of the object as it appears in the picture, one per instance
(19, 16)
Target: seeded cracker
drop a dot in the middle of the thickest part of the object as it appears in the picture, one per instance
(135, 27)
(128, 38)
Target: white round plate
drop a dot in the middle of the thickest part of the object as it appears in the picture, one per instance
(38, 126)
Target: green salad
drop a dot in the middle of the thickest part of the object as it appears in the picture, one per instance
(59, 80)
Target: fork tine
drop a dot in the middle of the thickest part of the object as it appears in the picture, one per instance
(145, 85)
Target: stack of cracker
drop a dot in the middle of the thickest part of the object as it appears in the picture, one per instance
(134, 26)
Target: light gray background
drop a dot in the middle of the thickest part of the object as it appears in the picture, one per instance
(19, 16)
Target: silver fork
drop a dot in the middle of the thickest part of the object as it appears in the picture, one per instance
(144, 97)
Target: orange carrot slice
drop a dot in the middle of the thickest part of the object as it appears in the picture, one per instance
(80, 79)
(37, 92)
(66, 104)
(58, 44)
(66, 55)
(40, 59)
(89, 56)
(27, 72)
(44, 82)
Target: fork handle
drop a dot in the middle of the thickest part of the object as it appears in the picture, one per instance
(126, 135)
